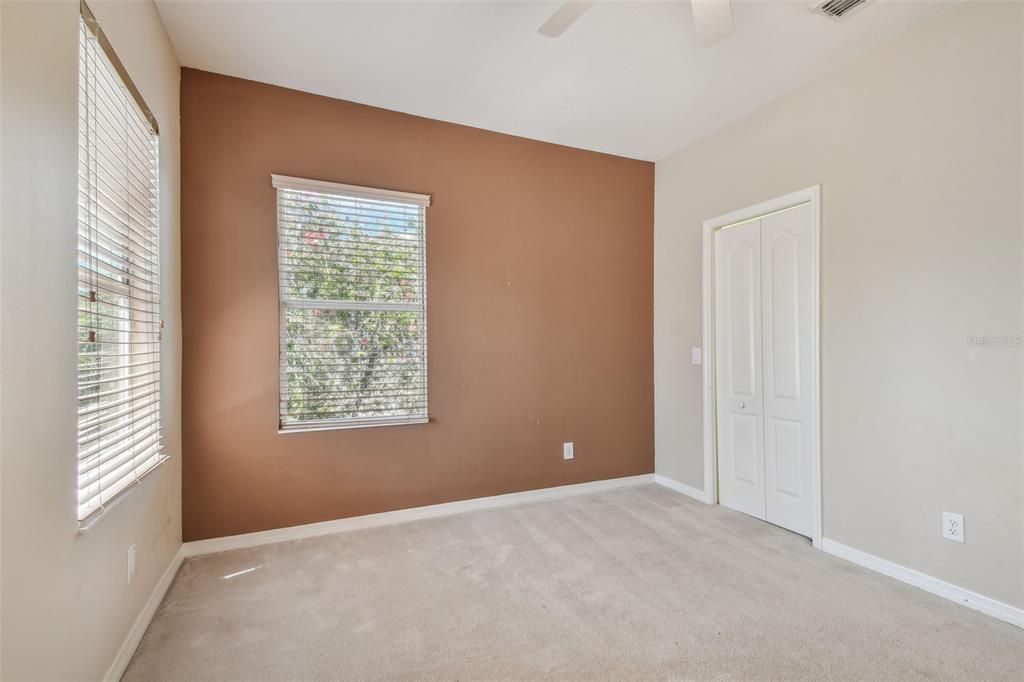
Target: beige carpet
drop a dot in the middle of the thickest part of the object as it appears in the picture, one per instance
(634, 584)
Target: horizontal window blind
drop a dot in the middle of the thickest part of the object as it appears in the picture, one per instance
(352, 278)
(119, 328)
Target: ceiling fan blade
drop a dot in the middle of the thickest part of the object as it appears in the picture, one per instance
(563, 18)
(713, 21)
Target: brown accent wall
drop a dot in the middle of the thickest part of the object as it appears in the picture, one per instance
(540, 311)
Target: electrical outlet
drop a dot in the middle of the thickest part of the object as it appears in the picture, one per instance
(567, 451)
(953, 526)
(131, 563)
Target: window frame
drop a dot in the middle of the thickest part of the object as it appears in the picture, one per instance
(154, 410)
(423, 201)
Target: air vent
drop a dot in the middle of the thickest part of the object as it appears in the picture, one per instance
(836, 8)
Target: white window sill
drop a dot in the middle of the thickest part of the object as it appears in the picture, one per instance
(84, 525)
(338, 425)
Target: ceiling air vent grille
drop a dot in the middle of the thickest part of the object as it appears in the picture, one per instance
(837, 8)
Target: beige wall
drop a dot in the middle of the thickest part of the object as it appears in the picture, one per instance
(917, 145)
(66, 602)
(540, 311)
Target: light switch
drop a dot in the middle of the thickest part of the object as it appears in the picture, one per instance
(695, 355)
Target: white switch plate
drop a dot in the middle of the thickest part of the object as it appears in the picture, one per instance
(953, 526)
(695, 356)
(567, 451)
(131, 563)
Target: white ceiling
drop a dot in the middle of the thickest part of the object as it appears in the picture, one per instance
(626, 79)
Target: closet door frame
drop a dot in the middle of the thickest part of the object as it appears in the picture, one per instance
(812, 196)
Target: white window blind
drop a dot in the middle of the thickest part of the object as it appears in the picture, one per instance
(119, 436)
(352, 276)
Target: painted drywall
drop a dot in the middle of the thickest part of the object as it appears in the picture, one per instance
(917, 146)
(540, 311)
(66, 601)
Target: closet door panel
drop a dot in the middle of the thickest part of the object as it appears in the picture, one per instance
(738, 370)
(786, 271)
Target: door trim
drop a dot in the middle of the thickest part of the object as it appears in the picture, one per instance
(812, 196)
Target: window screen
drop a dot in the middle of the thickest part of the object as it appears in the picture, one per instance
(352, 270)
(119, 436)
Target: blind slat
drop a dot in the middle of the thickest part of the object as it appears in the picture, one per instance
(138, 323)
(113, 473)
(362, 210)
(307, 232)
(101, 430)
(114, 227)
(300, 241)
(105, 414)
(133, 388)
(341, 368)
(132, 401)
(140, 434)
(114, 435)
(89, 286)
(91, 277)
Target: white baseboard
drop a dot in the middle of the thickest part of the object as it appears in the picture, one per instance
(973, 600)
(309, 530)
(687, 490)
(131, 642)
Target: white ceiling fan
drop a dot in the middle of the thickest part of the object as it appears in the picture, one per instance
(712, 18)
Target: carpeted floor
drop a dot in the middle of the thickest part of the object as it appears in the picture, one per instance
(638, 583)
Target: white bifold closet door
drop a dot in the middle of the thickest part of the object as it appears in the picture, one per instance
(763, 370)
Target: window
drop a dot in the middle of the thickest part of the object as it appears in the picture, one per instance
(352, 280)
(119, 438)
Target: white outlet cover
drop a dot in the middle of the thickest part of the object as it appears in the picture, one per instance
(695, 356)
(567, 451)
(953, 526)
